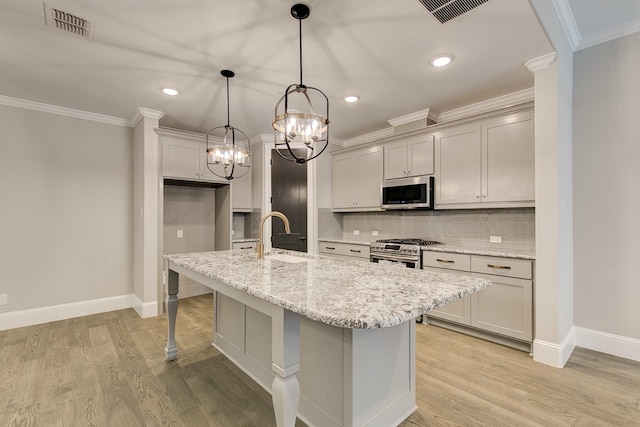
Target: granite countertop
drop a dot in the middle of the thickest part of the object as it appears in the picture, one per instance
(243, 240)
(479, 249)
(339, 292)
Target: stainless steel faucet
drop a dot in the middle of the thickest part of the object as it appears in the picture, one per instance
(260, 246)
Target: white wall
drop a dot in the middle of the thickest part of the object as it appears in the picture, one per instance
(66, 217)
(606, 153)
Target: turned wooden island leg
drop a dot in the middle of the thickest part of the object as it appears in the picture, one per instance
(285, 390)
(171, 351)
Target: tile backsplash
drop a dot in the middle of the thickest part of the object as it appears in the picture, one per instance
(516, 227)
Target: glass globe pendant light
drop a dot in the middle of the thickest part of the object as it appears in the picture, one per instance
(228, 148)
(296, 123)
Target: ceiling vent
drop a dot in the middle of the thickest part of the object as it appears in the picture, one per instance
(65, 21)
(446, 10)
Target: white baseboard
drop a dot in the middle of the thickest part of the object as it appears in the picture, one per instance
(553, 354)
(35, 316)
(144, 309)
(616, 345)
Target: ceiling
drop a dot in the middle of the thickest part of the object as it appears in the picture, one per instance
(377, 49)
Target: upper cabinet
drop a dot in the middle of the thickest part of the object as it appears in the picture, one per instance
(184, 157)
(409, 157)
(489, 163)
(242, 196)
(357, 176)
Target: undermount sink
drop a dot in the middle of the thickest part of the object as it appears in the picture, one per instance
(286, 258)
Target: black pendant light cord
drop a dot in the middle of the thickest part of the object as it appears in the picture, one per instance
(228, 108)
(300, 22)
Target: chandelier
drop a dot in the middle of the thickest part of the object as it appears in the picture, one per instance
(295, 122)
(228, 148)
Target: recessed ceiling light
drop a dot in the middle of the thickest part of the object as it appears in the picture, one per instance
(441, 60)
(169, 91)
(351, 98)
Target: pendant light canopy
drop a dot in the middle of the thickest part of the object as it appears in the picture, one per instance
(228, 148)
(296, 123)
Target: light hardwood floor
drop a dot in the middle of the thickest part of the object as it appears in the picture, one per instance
(109, 370)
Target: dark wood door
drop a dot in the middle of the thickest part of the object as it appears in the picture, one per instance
(289, 196)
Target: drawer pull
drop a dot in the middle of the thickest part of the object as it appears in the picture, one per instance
(246, 247)
(330, 248)
(448, 261)
(499, 267)
(355, 250)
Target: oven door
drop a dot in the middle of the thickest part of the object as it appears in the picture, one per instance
(410, 262)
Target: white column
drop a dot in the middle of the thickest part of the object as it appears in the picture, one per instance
(285, 390)
(147, 263)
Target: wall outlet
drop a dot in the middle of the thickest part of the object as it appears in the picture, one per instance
(180, 234)
(356, 232)
(495, 239)
(4, 299)
(374, 233)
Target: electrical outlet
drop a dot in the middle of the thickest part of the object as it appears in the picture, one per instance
(374, 233)
(180, 234)
(356, 232)
(495, 239)
(4, 299)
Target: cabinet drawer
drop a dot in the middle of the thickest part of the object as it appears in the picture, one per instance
(358, 251)
(331, 248)
(244, 245)
(502, 267)
(446, 260)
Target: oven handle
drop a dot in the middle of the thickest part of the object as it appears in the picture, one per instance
(394, 258)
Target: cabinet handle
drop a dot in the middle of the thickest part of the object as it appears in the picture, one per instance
(448, 261)
(477, 197)
(357, 251)
(246, 247)
(499, 267)
(330, 248)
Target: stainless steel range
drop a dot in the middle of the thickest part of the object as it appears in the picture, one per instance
(401, 251)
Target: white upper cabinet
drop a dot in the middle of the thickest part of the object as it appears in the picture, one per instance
(184, 157)
(508, 152)
(489, 163)
(241, 193)
(357, 176)
(412, 156)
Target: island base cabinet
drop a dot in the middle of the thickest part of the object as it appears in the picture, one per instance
(347, 377)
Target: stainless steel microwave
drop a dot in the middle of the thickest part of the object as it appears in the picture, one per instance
(408, 193)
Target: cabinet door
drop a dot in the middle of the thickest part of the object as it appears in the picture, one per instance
(420, 155)
(508, 158)
(368, 177)
(458, 164)
(241, 191)
(395, 160)
(458, 311)
(180, 158)
(344, 184)
(505, 307)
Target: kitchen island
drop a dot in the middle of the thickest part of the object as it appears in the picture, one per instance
(331, 339)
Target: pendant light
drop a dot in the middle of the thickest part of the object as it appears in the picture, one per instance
(296, 123)
(228, 148)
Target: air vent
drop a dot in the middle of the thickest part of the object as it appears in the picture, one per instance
(68, 22)
(446, 10)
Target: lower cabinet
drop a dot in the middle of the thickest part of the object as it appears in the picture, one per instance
(351, 250)
(244, 245)
(504, 308)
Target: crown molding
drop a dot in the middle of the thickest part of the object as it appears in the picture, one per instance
(427, 113)
(195, 136)
(568, 22)
(146, 113)
(609, 34)
(541, 62)
(63, 111)
(515, 98)
(369, 137)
